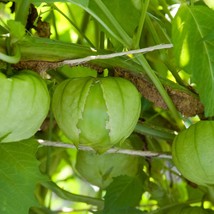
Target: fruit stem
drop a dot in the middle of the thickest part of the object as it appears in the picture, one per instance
(210, 193)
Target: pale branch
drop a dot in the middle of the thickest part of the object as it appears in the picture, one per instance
(110, 151)
(42, 66)
(113, 55)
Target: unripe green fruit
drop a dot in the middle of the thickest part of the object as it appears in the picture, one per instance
(100, 169)
(99, 112)
(24, 104)
(193, 153)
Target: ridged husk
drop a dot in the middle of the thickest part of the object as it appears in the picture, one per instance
(99, 112)
(193, 153)
(100, 169)
(24, 104)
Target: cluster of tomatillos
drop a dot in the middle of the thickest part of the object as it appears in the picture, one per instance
(98, 112)
(92, 111)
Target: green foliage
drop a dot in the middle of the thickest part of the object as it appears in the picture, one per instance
(16, 29)
(124, 193)
(194, 52)
(19, 176)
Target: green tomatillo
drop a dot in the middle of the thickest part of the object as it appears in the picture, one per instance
(100, 169)
(96, 111)
(193, 153)
(24, 104)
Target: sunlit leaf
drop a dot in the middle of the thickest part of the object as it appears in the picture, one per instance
(17, 30)
(193, 52)
(123, 193)
(19, 174)
(209, 3)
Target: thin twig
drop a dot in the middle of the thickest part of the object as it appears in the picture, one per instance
(112, 150)
(113, 55)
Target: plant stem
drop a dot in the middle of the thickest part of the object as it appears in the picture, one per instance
(6, 57)
(151, 74)
(210, 193)
(141, 23)
(111, 151)
(142, 61)
(165, 9)
(11, 59)
(153, 31)
(154, 132)
(54, 23)
(72, 197)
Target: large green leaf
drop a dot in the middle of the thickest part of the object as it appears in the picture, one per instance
(19, 173)
(124, 193)
(194, 53)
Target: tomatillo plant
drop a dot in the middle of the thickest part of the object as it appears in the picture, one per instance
(24, 104)
(99, 112)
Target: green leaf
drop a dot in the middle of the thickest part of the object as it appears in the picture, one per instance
(123, 193)
(17, 30)
(3, 30)
(194, 53)
(70, 196)
(22, 10)
(19, 173)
